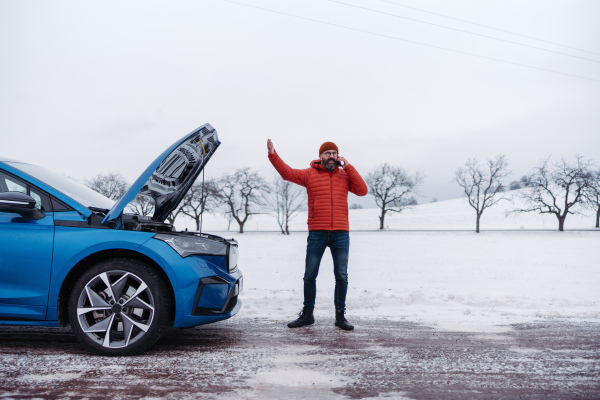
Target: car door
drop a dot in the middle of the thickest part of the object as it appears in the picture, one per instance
(25, 255)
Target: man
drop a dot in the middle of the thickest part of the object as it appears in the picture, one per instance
(327, 183)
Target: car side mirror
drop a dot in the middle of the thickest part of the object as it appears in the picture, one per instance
(20, 203)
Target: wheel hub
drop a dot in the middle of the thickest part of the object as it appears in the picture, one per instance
(115, 308)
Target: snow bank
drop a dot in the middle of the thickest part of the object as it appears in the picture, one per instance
(452, 280)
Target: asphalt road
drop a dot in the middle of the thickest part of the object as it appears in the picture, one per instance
(258, 359)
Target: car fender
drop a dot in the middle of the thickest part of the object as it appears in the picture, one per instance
(72, 245)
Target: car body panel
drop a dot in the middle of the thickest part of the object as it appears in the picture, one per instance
(51, 324)
(25, 281)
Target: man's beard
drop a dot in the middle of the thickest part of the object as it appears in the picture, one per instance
(328, 165)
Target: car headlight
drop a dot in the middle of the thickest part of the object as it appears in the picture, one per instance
(233, 256)
(189, 245)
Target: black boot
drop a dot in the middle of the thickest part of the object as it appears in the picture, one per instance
(305, 318)
(340, 320)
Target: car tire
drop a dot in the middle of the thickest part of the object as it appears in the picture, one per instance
(119, 307)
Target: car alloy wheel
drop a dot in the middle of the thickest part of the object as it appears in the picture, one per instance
(115, 308)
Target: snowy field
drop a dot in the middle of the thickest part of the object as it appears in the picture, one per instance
(429, 266)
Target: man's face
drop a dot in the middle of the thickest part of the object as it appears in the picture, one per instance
(329, 159)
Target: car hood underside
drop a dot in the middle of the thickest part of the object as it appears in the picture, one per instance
(170, 176)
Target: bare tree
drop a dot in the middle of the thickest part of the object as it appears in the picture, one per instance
(286, 200)
(142, 205)
(391, 187)
(241, 193)
(514, 185)
(556, 188)
(174, 214)
(112, 185)
(525, 181)
(592, 195)
(483, 186)
(200, 198)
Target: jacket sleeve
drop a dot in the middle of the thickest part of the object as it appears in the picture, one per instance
(297, 176)
(357, 184)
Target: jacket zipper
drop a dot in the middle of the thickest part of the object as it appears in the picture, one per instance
(331, 191)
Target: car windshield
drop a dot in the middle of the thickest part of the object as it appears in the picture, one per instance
(78, 192)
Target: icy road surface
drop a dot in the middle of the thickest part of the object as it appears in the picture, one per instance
(261, 359)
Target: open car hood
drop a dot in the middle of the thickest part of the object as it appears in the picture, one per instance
(170, 176)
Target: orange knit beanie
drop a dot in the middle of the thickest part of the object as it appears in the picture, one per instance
(328, 146)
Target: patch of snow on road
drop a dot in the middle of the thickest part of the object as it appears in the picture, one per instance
(50, 377)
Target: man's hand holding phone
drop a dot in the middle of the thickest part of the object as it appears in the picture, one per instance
(342, 161)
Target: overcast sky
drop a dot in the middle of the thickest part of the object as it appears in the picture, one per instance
(90, 87)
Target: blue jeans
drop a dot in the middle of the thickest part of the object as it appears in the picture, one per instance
(339, 244)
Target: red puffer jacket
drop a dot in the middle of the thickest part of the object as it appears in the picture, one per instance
(327, 192)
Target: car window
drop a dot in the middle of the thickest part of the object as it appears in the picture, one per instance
(37, 198)
(14, 186)
(11, 184)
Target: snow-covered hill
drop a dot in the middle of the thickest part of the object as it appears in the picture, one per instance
(455, 214)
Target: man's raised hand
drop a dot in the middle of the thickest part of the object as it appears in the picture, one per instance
(270, 146)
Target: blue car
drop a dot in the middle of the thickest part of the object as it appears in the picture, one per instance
(70, 256)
